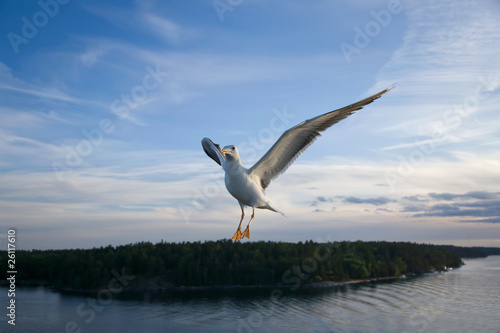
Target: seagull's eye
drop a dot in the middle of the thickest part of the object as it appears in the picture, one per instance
(232, 148)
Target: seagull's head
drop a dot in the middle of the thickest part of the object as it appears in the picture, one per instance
(231, 152)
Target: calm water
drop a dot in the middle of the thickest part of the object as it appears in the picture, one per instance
(463, 300)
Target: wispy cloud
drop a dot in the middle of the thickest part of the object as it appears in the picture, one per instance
(482, 195)
(472, 207)
(143, 18)
(164, 27)
(372, 201)
(13, 85)
(449, 49)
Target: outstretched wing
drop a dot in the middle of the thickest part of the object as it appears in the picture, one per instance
(213, 151)
(297, 139)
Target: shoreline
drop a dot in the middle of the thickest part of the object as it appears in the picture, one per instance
(328, 284)
(172, 288)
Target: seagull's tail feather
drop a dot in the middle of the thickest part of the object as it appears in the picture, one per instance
(271, 206)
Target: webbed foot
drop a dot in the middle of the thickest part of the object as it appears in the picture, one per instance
(237, 236)
(246, 233)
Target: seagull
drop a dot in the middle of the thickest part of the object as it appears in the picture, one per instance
(248, 185)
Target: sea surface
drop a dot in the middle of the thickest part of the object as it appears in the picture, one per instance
(462, 300)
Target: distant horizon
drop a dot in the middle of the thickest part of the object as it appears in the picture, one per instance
(253, 241)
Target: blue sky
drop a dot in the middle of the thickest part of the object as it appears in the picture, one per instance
(103, 106)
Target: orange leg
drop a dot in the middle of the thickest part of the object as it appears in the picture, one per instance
(237, 236)
(246, 233)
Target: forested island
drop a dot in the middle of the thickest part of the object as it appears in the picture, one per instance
(223, 263)
(472, 252)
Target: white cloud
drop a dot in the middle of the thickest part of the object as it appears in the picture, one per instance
(13, 85)
(145, 19)
(92, 55)
(129, 196)
(163, 27)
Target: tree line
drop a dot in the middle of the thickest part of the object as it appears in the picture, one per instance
(226, 263)
(472, 252)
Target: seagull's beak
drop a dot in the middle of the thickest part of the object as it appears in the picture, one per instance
(226, 151)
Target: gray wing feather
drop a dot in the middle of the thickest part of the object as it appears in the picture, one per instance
(213, 150)
(297, 139)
